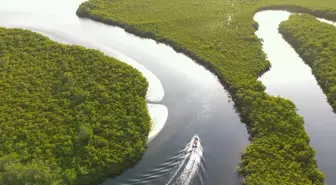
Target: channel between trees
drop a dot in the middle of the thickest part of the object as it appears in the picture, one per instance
(280, 144)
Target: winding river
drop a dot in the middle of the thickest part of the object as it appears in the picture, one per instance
(191, 96)
(184, 98)
(291, 78)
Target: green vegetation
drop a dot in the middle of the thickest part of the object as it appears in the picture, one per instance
(220, 34)
(316, 43)
(68, 115)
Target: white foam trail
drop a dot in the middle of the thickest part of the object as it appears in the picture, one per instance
(161, 170)
(192, 167)
(193, 158)
(184, 165)
(179, 168)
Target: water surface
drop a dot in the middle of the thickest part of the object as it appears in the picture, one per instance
(291, 78)
(195, 100)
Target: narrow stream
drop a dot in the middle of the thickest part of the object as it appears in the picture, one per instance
(291, 78)
(195, 100)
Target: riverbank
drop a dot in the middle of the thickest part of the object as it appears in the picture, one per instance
(229, 48)
(291, 78)
(314, 41)
(68, 113)
(159, 115)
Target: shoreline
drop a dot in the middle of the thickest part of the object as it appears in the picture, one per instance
(237, 92)
(159, 116)
(155, 91)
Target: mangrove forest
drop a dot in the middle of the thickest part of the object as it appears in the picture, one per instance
(68, 115)
(220, 35)
(315, 42)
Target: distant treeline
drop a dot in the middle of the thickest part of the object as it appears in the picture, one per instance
(315, 42)
(68, 115)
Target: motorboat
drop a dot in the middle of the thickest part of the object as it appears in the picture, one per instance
(195, 141)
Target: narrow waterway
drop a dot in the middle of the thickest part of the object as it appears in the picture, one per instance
(291, 78)
(195, 100)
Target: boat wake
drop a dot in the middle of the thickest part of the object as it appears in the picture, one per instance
(181, 169)
(191, 164)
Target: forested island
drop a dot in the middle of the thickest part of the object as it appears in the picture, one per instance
(315, 42)
(220, 34)
(68, 115)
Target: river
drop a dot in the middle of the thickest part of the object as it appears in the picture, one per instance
(291, 78)
(196, 102)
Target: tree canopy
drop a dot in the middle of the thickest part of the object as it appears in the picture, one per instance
(68, 115)
(315, 42)
(220, 34)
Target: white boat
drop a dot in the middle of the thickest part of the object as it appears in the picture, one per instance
(195, 141)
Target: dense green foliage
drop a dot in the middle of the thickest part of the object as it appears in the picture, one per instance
(68, 115)
(220, 35)
(315, 41)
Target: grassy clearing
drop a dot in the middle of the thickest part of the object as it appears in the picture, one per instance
(316, 43)
(68, 115)
(220, 34)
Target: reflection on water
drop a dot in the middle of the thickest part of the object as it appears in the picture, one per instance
(291, 78)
